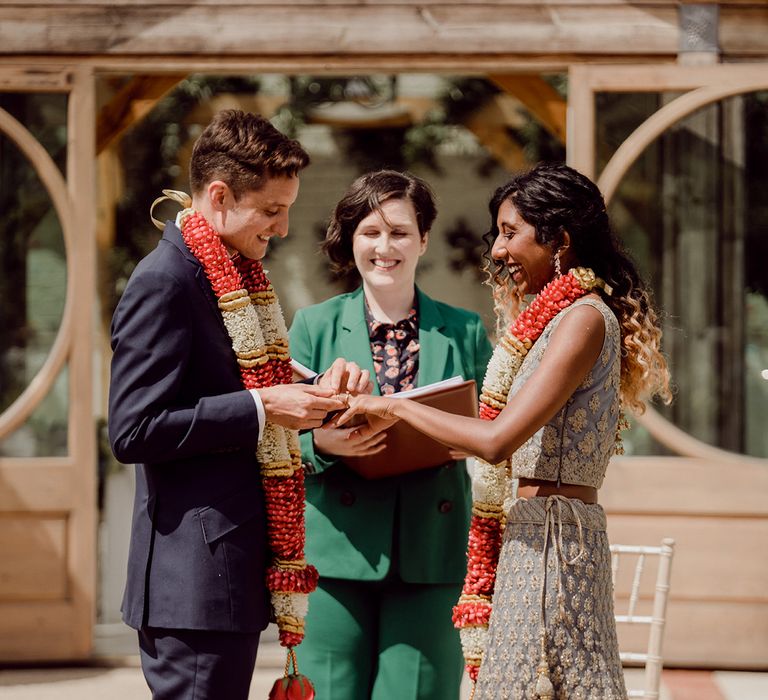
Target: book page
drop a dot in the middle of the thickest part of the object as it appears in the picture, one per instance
(427, 389)
(301, 370)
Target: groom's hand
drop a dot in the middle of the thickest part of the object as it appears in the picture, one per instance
(343, 376)
(298, 406)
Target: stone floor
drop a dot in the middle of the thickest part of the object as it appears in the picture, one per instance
(115, 675)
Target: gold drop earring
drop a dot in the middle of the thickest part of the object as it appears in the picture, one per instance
(558, 269)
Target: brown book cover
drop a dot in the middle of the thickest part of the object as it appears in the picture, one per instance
(407, 448)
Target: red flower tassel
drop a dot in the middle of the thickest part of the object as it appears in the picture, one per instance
(292, 686)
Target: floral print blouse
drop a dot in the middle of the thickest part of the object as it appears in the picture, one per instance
(395, 350)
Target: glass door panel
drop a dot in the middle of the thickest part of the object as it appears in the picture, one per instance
(692, 211)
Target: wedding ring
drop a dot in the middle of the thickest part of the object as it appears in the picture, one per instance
(346, 398)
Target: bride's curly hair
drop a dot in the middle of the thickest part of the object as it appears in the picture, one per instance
(554, 198)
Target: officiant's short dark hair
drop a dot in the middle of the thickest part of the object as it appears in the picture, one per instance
(243, 150)
(365, 195)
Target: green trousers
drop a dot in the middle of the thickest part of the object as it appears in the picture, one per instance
(382, 640)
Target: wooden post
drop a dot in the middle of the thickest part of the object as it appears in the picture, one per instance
(81, 531)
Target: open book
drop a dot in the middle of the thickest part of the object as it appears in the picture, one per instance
(408, 449)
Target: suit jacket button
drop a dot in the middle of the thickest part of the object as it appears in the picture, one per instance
(347, 498)
(445, 506)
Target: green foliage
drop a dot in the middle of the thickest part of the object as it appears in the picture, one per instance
(150, 149)
(467, 249)
(462, 96)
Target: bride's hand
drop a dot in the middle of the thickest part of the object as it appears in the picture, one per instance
(379, 410)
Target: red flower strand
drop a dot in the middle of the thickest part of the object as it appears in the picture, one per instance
(485, 530)
(284, 496)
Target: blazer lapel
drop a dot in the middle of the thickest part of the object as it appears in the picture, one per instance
(356, 343)
(434, 346)
(172, 234)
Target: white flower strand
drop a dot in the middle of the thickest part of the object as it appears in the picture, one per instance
(257, 330)
(290, 604)
(473, 641)
(489, 483)
(244, 329)
(274, 445)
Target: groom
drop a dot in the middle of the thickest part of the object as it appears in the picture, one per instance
(196, 589)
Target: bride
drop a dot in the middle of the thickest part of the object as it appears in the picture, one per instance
(536, 611)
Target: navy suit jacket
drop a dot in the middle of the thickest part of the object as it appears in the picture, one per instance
(177, 409)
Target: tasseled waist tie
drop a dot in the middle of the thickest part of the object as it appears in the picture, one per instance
(553, 520)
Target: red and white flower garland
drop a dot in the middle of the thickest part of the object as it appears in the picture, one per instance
(489, 481)
(256, 326)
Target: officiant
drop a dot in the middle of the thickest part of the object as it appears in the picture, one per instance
(391, 550)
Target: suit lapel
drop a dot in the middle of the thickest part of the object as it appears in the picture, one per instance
(434, 346)
(205, 285)
(356, 343)
(172, 234)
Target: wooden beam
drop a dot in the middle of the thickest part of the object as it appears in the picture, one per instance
(525, 31)
(539, 98)
(338, 28)
(580, 153)
(299, 4)
(490, 124)
(82, 517)
(130, 104)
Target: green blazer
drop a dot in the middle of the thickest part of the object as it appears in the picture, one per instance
(350, 520)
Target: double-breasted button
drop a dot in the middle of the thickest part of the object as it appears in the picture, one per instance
(347, 498)
(445, 506)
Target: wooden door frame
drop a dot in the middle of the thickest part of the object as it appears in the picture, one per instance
(61, 487)
(707, 498)
(701, 86)
(68, 484)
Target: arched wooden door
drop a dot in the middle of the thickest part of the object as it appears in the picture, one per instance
(702, 477)
(47, 431)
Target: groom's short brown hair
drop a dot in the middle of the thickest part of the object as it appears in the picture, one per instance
(243, 150)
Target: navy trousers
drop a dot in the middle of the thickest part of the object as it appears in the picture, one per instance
(197, 664)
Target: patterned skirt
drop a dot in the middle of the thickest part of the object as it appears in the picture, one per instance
(578, 634)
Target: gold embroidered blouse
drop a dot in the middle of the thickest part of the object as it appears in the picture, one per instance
(575, 446)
